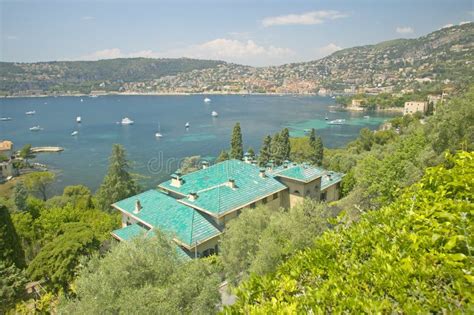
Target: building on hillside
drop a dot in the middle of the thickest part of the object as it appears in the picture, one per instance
(195, 208)
(357, 102)
(6, 148)
(413, 107)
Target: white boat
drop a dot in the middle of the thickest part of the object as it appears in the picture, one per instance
(75, 133)
(31, 112)
(5, 118)
(127, 121)
(93, 95)
(207, 100)
(367, 117)
(78, 119)
(214, 113)
(326, 118)
(36, 128)
(337, 122)
(158, 133)
(82, 100)
(187, 125)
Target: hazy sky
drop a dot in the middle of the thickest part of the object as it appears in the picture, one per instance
(247, 32)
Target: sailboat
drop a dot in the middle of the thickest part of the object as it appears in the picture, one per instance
(207, 100)
(78, 119)
(214, 113)
(187, 125)
(158, 134)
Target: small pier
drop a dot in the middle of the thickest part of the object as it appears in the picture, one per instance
(46, 149)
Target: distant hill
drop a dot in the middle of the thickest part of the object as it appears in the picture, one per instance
(90, 74)
(444, 56)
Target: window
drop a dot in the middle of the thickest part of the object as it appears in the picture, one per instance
(275, 196)
(264, 200)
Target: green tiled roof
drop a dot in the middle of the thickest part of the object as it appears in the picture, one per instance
(129, 232)
(299, 172)
(168, 215)
(214, 194)
(334, 178)
(134, 230)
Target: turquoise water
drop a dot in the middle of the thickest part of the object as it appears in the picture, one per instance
(85, 158)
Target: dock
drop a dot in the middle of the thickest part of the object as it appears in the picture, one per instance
(46, 149)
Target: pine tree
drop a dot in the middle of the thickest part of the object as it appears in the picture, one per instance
(223, 156)
(285, 144)
(118, 184)
(265, 151)
(236, 146)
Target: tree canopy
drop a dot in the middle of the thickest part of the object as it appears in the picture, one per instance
(413, 255)
(236, 145)
(144, 276)
(118, 184)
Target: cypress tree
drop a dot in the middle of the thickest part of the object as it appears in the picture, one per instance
(265, 151)
(312, 137)
(20, 195)
(277, 149)
(285, 144)
(236, 146)
(118, 184)
(319, 151)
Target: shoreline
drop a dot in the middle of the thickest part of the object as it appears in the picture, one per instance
(162, 94)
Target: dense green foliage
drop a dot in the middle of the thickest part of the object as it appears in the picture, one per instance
(236, 145)
(12, 285)
(144, 276)
(118, 184)
(12, 258)
(414, 255)
(58, 259)
(38, 183)
(265, 153)
(10, 249)
(262, 238)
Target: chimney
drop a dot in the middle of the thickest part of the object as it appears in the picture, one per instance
(193, 196)
(205, 164)
(138, 207)
(261, 173)
(231, 183)
(176, 180)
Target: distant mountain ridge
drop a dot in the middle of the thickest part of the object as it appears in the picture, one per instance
(445, 55)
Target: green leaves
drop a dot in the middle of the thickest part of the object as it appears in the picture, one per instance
(411, 256)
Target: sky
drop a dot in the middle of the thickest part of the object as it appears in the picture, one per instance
(257, 33)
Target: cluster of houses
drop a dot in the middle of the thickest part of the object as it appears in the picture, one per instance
(195, 208)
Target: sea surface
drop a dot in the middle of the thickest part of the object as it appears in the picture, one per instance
(85, 156)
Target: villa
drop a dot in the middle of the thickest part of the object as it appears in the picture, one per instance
(195, 208)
